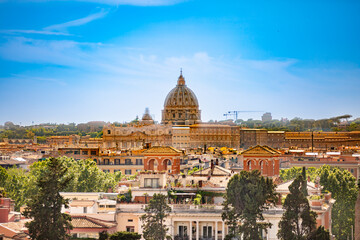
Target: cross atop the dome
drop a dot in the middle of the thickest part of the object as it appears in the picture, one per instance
(181, 80)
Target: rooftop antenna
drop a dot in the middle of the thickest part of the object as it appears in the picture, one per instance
(180, 71)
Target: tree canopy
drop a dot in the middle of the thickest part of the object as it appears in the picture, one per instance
(343, 187)
(44, 207)
(298, 221)
(156, 211)
(248, 194)
(84, 174)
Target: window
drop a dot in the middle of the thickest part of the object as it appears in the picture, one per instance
(128, 162)
(182, 231)
(139, 162)
(85, 209)
(95, 160)
(76, 152)
(117, 161)
(109, 132)
(151, 183)
(106, 170)
(207, 232)
(84, 152)
(130, 220)
(127, 171)
(93, 152)
(106, 161)
(130, 228)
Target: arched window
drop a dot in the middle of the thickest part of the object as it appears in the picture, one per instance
(262, 167)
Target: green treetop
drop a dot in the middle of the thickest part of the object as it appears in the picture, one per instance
(248, 194)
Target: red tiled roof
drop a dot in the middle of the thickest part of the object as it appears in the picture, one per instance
(89, 222)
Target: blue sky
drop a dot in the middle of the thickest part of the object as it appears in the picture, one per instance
(78, 61)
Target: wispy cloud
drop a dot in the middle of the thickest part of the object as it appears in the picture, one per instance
(36, 78)
(62, 28)
(136, 2)
(16, 31)
(220, 83)
(143, 3)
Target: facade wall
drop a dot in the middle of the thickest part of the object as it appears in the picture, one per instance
(268, 166)
(181, 137)
(125, 220)
(214, 135)
(170, 164)
(135, 137)
(126, 164)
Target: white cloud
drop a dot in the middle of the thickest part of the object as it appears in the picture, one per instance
(143, 79)
(62, 27)
(143, 3)
(15, 31)
(136, 2)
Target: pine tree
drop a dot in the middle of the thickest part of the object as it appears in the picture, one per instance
(45, 206)
(248, 194)
(157, 210)
(298, 221)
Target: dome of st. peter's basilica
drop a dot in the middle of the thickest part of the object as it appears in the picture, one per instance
(181, 106)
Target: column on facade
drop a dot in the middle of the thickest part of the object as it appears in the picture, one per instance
(223, 230)
(216, 230)
(197, 230)
(190, 229)
(172, 228)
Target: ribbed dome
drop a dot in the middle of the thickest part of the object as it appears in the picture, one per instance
(181, 106)
(181, 96)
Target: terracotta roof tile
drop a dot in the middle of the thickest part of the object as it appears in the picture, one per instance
(162, 149)
(89, 222)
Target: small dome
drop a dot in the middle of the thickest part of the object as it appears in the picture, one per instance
(147, 119)
(181, 96)
(146, 115)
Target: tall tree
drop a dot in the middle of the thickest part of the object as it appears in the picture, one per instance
(45, 206)
(304, 184)
(298, 221)
(343, 187)
(248, 194)
(157, 210)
